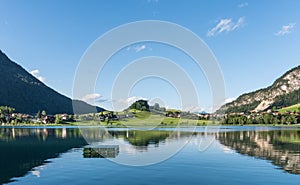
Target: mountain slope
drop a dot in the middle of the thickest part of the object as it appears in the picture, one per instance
(285, 91)
(291, 108)
(21, 90)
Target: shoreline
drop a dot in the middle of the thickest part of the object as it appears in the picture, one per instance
(142, 126)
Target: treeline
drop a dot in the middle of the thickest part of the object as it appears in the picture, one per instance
(241, 108)
(287, 100)
(267, 119)
(7, 116)
(141, 105)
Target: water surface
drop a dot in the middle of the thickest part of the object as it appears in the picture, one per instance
(226, 155)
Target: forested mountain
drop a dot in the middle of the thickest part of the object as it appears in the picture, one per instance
(22, 91)
(285, 91)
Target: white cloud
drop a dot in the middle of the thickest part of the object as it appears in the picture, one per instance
(242, 5)
(228, 100)
(91, 97)
(139, 48)
(36, 173)
(285, 29)
(36, 73)
(42, 79)
(225, 25)
(131, 100)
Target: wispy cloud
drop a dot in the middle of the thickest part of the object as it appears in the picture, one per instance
(225, 25)
(130, 100)
(36, 73)
(90, 98)
(242, 5)
(139, 48)
(286, 29)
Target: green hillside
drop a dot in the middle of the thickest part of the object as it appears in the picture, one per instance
(292, 108)
(22, 91)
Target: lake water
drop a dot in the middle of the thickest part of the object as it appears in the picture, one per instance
(202, 155)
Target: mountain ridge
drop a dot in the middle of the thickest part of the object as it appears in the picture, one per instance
(24, 92)
(286, 87)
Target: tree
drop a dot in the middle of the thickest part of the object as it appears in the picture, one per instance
(57, 119)
(275, 120)
(38, 115)
(44, 113)
(143, 108)
(283, 120)
(140, 104)
(6, 110)
(266, 118)
(71, 117)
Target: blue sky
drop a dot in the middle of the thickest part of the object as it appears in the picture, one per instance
(254, 41)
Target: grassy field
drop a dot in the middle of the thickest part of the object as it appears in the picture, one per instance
(290, 108)
(146, 119)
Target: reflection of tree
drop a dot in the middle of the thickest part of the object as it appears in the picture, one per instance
(282, 147)
(141, 138)
(144, 138)
(24, 149)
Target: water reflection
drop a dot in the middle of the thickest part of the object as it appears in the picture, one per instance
(141, 139)
(103, 151)
(22, 149)
(137, 147)
(281, 147)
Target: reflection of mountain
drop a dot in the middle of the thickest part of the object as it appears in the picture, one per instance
(282, 147)
(24, 149)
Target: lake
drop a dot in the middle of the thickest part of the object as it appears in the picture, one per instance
(200, 155)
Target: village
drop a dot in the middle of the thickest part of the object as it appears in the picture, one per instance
(8, 116)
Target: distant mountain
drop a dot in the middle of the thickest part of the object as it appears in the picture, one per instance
(22, 91)
(285, 91)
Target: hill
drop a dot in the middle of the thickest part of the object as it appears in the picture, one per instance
(292, 108)
(285, 91)
(22, 91)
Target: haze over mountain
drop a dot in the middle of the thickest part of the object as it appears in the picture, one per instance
(285, 91)
(22, 91)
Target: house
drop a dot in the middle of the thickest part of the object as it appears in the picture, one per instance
(48, 119)
(64, 117)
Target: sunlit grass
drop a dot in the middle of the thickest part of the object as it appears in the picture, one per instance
(290, 108)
